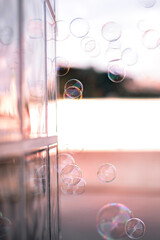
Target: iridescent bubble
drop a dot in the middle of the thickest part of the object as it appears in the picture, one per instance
(111, 31)
(151, 39)
(62, 30)
(60, 66)
(74, 83)
(72, 93)
(148, 3)
(135, 228)
(79, 27)
(106, 173)
(71, 174)
(5, 226)
(111, 220)
(6, 35)
(35, 28)
(63, 160)
(116, 71)
(129, 56)
(77, 189)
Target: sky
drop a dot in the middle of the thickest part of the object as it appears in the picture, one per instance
(133, 19)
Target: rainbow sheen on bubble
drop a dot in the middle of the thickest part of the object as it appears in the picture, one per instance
(111, 31)
(106, 173)
(79, 27)
(60, 66)
(35, 28)
(116, 71)
(77, 189)
(135, 228)
(71, 174)
(129, 56)
(111, 220)
(72, 93)
(74, 83)
(151, 39)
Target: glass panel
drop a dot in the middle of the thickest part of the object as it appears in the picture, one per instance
(9, 68)
(34, 66)
(10, 214)
(36, 196)
(53, 193)
(51, 74)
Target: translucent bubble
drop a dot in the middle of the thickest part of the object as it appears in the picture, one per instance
(63, 160)
(106, 173)
(112, 54)
(72, 93)
(35, 28)
(79, 27)
(88, 44)
(151, 39)
(116, 71)
(5, 226)
(129, 56)
(135, 228)
(71, 174)
(74, 83)
(77, 189)
(148, 3)
(6, 35)
(111, 31)
(111, 220)
(60, 66)
(62, 30)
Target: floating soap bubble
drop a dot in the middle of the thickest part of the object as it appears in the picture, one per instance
(35, 28)
(116, 71)
(62, 30)
(60, 66)
(71, 174)
(6, 35)
(5, 226)
(112, 54)
(96, 51)
(79, 27)
(77, 189)
(135, 228)
(148, 3)
(111, 220)
(151, 39)
(72, 93)
(74, 83)
(63, 160)
(129, 56)
(111, 31)
(106, 173)
(88, 44)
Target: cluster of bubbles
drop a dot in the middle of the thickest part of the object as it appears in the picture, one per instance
(73, 89)
(5, 226)
(115, 221)
(106, 173)
(72, 182)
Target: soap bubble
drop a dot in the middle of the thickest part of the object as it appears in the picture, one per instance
(151, 39)
(129, 56)
(72, 93)
(5, 226)
(74, 83)
(6, 35)
(148, 3)
(61, 66)
(106, 173)
(111, 220)
(63, 160)
(112, 54)
(116, 71)
(96, 51)
(135, 228)
(79, 27)
(35, 28)
(88, 44)
(71, 174)
(62, 30)
(111, 31)
(77, 189)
